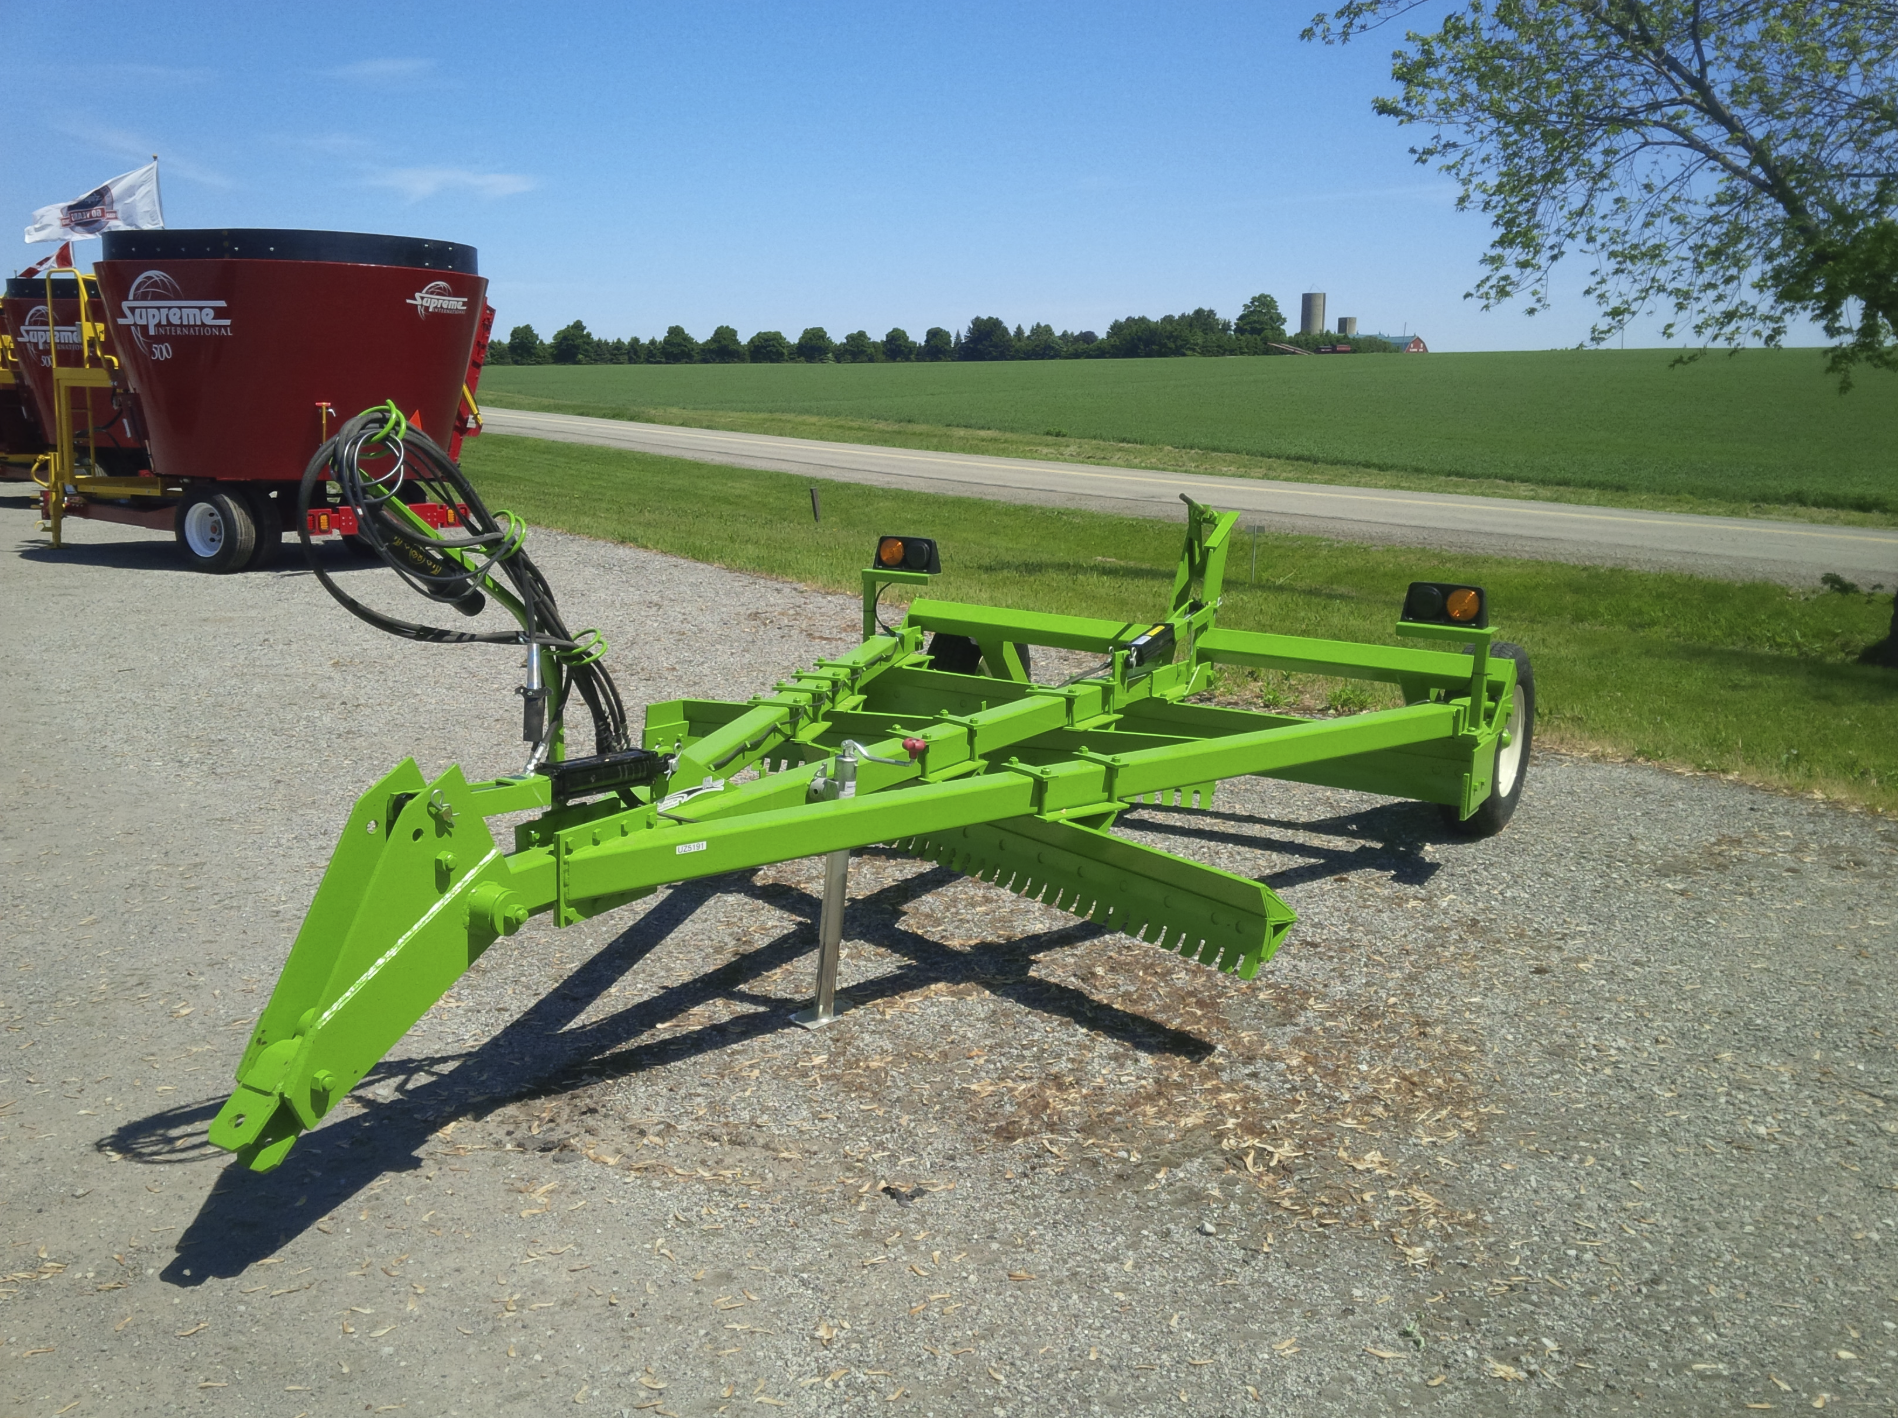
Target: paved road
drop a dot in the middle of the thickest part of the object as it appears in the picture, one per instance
(1737, 547)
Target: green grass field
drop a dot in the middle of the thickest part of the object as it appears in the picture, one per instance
(1750, 679)
(1762, 428)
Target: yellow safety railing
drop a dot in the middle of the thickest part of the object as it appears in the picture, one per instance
(58, 472)
(10, 377)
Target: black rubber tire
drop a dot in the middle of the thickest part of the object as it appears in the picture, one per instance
(267, 515)
(1500, 805)
(215, 530)
(959, 655)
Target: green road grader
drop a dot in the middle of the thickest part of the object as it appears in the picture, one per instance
(929, 737)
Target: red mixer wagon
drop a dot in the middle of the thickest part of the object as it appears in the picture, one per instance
(58, 359)
(245, 348)
(21, 440)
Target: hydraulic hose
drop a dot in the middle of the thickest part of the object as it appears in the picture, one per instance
(380, 462)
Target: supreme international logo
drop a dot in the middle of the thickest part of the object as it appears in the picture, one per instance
(38, 336)
(36, 332)
(437, 298)
(156, 308)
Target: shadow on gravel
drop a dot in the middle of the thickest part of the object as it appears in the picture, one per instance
(153, 555)
(163, 555)
(1389, 839)
(247, 1217)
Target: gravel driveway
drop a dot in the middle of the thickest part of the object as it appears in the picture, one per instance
(1593, 1117)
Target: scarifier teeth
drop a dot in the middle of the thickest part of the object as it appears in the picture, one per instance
(1193, 910)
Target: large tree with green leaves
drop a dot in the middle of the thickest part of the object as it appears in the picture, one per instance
(573, 344)
(1731, 164)
(724, 347)
(814, 346)
(987, 338)
(1261, 319)
(678, 347)
(768, 347)
(524, 346)
(858, 348)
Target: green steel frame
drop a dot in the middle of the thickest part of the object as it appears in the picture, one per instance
(988, 773)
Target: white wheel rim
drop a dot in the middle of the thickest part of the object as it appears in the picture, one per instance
(204, 530)
(1509, 759)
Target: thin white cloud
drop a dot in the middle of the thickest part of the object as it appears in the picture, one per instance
(138, 148)
(382, 71)
(420, 183)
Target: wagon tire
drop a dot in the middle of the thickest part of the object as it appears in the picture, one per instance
(216, 531)
(268, 519)
(1512, 762)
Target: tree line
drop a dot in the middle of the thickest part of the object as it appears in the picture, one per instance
(1258, 330)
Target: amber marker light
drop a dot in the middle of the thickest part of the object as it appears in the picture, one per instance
(908, 554)
(1440, 603)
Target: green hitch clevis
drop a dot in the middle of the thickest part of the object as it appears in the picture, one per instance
(413, 895)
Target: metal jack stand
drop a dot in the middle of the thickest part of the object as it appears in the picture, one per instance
(830, 937)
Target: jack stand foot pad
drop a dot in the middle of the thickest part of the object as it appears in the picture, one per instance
(808, 1017)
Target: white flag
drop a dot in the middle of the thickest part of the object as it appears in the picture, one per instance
(126, 203)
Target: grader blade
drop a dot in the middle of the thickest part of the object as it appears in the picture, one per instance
(1199, 912)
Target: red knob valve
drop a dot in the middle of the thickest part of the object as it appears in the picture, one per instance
(914, 748)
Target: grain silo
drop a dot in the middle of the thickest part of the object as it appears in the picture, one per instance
(1311, 313)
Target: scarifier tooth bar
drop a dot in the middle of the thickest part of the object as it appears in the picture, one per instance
(1198, 912)
(1193, 795)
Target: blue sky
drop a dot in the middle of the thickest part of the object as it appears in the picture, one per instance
(773, 167)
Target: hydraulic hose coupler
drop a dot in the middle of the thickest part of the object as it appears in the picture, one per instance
(533, 699)
(533, 714)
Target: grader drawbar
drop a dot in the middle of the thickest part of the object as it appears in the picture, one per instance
(929, 737)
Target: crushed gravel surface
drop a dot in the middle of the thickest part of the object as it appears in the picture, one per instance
(1592, 1117)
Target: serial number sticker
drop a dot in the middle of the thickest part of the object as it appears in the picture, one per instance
(689, 847)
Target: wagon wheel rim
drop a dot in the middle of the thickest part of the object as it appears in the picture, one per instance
(1509, 757)
(204, 530)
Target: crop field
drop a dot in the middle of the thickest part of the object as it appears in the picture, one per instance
(1747, 680)
(1761, 427)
